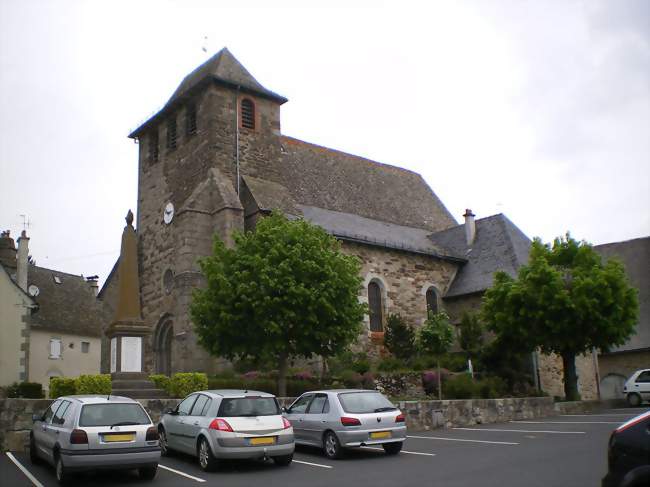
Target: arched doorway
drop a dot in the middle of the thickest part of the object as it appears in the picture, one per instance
(163, 347)
(611, 386)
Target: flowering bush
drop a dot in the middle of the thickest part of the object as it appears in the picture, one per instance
(303, 375)
(251, 375)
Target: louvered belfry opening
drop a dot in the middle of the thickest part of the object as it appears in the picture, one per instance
(375, 307)
(190, 120)
(153, 146)
(247, 113)
(171, 133)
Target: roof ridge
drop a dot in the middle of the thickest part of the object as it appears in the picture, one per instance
(80, 276)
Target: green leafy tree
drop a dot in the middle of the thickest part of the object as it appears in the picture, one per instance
(284, 290)
(565, 301)
(471, 334)
(435, 337)
(399, 337)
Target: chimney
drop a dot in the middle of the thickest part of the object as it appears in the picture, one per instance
(7, 251)
(470, 227)
(23, 250)
(92, 282)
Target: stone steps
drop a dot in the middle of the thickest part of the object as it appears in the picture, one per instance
(141, 393)
(135, 385)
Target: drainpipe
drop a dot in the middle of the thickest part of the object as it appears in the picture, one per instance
(594, 354)
(237, 136)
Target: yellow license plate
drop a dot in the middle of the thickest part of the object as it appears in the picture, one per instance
(380, 434)
(269, 440)
(117, 437)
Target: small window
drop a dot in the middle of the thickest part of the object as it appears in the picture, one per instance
(190, 120)
(432, 301)
(247, 113)
(300, 406)
(206, 408)
(55, 348)
(59, 416)
(153, 146)
(317, 405)
(185, 407)
(171, 133)
(168, 281)
(57, 279)
(375, 305)
(198, 405)
(85, 347)
(643, 377)
(50, 411)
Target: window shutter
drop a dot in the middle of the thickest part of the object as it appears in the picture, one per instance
(55, 348)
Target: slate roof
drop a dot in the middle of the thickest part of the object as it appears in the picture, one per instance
(68, 307)
(355, 228)
(222, 68)
(325, 178)
(270, 195)
(499, 245)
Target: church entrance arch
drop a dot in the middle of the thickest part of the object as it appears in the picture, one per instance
(163, 346)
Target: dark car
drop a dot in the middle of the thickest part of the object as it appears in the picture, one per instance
(628, 454)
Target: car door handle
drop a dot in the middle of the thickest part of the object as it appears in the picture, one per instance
(180, 421)
(196, 423)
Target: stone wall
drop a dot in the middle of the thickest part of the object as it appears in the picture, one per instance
(401, 385)
(551, 375)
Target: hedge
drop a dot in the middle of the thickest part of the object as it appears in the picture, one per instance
(294, 387)
(84, 384)
(183, 383)
(62, 386)
(28, 390)
(161, 381)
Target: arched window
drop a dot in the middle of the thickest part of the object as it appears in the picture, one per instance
(375, 305)
(163, 347)
(432, 301)
(247, 113)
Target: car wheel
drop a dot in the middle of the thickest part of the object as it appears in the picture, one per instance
(207, 461)
(634, 400)
(162, 440)
(392, 448)
(62, 474)
(332, 446)
(283, 461)
(148, 473)
(33, 456)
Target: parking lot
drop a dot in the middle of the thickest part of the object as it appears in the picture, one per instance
(566, 450)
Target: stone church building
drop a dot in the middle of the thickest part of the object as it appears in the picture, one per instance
(214, 160)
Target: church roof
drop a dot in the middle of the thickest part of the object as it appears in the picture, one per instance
(66, 303)
(499, 245)
(325, 178)
(222, 68)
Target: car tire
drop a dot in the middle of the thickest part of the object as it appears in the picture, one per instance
(207, 460)
(392, 448)
(633, 400)
(33, 456)
(283, 461)
(162, 441)
(62, 473)
(148, 473)
(332, 446)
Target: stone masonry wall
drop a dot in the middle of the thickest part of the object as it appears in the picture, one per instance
(551, 375)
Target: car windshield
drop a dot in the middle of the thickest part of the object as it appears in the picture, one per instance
(365, 402)
(112, 415)
(248, 406)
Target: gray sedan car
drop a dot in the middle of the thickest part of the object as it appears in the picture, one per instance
(345, 418)
(79, 433)
(228, 424)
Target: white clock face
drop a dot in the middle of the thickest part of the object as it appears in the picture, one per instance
(168, 214)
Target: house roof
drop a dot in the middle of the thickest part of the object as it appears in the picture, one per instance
(66, 303)
(499, 245)
(329, 179)
(19, 290)
(222, 68)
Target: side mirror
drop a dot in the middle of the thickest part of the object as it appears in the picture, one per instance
(285, 410)
(168, 411)
(36, 417)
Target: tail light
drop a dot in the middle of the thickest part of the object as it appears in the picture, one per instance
(400, 418)
(152, 434)
(286, 423)
(78, 437)
(220, 425)
(350, 421)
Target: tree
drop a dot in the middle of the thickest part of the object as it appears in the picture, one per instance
(565, 301)
(435, 337)
(399, 337)
(471, 334)
(284, 290)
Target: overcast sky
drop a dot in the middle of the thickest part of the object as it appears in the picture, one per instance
(536, 109)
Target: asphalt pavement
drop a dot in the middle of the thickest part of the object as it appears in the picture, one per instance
(562, 451)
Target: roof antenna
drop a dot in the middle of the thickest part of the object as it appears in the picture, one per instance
(204, 47)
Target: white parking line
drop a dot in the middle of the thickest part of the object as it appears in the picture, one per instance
(596, 414)
(566, 422)
(182, 474)
(458, 439)
(24, 470)
(312, 464)
(524, 431)
(403, 451)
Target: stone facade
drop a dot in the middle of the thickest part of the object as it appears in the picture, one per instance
(616, 368)
(551, 375)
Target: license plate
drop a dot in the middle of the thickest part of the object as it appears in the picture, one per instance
(268, 440)
(377, 435)
(119, 437)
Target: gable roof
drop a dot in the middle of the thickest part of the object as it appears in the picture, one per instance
(18, 289)
(326, 178)
(66, 307)
(499, 245)
(222, 68)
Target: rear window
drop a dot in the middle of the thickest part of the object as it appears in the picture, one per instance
(112, 415)
(365, 402)
(248, 406)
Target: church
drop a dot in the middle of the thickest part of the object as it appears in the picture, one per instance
(213, 160)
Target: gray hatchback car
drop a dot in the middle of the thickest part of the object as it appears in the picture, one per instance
(346, 418)
(228, 424)
(78, 433)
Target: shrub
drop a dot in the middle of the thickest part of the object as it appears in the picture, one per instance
(351, 378)
(461, 387)
(93, 384)
(252, 375)
(361, 365)
(161, 381)
(389, 364)
(28, 390)
(456, 362)
(294, 387)
(184, 383)
(430, 380)
(368, 380)
(62, 386)
(492, 387)
(303, 375)
(399, 337)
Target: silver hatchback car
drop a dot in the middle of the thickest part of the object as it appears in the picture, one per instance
(345, 418)
(79, 433)
(228, 424)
